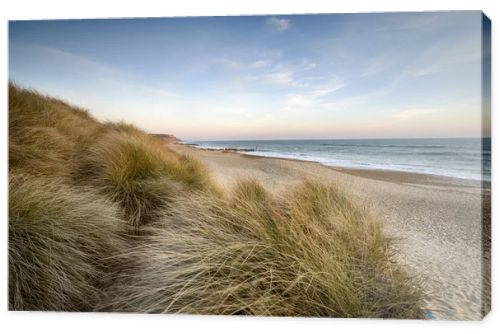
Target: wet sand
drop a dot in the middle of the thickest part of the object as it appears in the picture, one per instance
(436, 222)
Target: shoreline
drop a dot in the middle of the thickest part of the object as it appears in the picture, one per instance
(434, 221)
(389, 175)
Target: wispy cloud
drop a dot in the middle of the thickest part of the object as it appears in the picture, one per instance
(293, 74)
(284, 78)
(261, 63)
(239, 64)
(376, 66)
(327, 88)
(312, 96)
(279, 24)
(442, 57)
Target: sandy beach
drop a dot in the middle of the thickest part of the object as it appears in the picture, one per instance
(435, 221)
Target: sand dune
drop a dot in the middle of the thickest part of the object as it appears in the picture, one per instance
(436, 221)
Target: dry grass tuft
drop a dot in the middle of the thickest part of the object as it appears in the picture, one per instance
(58, 238)
(140, 174)
(312, 253)
(44, 133)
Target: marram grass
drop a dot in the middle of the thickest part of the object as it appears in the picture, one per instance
(59, 237)
(310, 253)
(103, 217)
(139, 173)
(45, 133)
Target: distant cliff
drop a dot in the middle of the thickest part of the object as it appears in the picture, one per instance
(166, 138)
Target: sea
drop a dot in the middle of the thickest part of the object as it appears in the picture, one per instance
(465, 158)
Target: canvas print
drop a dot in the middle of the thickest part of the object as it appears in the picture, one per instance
(333, 165)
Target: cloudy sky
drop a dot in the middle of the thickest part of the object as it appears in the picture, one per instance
(264, 77)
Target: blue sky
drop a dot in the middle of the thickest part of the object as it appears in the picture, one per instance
(264, 77)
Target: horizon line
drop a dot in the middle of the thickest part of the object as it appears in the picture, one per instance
(367, 138)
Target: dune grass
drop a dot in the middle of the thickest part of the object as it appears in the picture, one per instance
(58, 238)
(105, 217)
(140, 174)
(48, 137)
(311, 253)
(45, 133)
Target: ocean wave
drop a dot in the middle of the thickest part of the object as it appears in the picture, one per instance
(451, 160)
(421, 169)
(381, 146)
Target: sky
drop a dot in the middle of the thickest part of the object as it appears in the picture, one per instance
(394, 75)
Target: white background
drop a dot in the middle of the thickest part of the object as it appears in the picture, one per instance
(47, 322)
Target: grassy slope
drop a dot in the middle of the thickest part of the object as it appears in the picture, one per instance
(104, 217)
